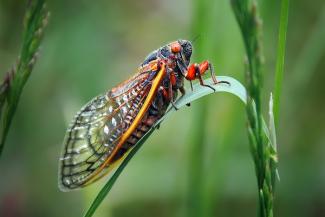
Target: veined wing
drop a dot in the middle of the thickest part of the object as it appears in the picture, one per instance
(96, 131)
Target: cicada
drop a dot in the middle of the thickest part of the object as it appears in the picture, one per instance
(110, 125)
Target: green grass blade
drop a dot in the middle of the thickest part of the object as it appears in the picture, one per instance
(35, 20)
(235, 88)
(280, 57)
(263, 153)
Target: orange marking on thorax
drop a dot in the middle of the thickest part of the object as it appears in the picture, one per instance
(151, 66)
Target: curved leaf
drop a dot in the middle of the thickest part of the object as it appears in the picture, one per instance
(234, 87)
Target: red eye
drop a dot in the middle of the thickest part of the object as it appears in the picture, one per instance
(176, 47)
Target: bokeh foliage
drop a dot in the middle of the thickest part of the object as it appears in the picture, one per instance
(90, 47)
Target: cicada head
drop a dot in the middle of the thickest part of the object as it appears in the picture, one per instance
(182, 49)
(186, 50)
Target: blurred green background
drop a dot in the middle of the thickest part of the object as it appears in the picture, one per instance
(90, 47)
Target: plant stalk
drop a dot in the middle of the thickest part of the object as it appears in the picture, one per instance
(35, 20)
(263, 151)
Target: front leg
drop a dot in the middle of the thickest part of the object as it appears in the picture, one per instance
(196, 71)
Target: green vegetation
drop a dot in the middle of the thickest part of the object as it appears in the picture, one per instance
(35, 20)
(198, 163)
(196, 145)
(263, 149)
(280, 56)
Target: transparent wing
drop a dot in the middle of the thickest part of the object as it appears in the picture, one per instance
(95, 132)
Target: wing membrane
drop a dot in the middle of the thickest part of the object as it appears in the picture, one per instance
(95, 132)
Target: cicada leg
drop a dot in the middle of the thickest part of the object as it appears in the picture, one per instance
(182, 90)
(166, 95)
(172, 83)
(195, 71)
(213, 75)
(203, 84)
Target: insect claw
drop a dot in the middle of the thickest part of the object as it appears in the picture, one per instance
(205, 85)
(174, 106)
(224, 82)
(212, 88)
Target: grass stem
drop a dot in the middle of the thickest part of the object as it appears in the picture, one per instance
(262, 149)
(35, 20)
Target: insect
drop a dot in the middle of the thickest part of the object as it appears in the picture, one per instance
(107, 127)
